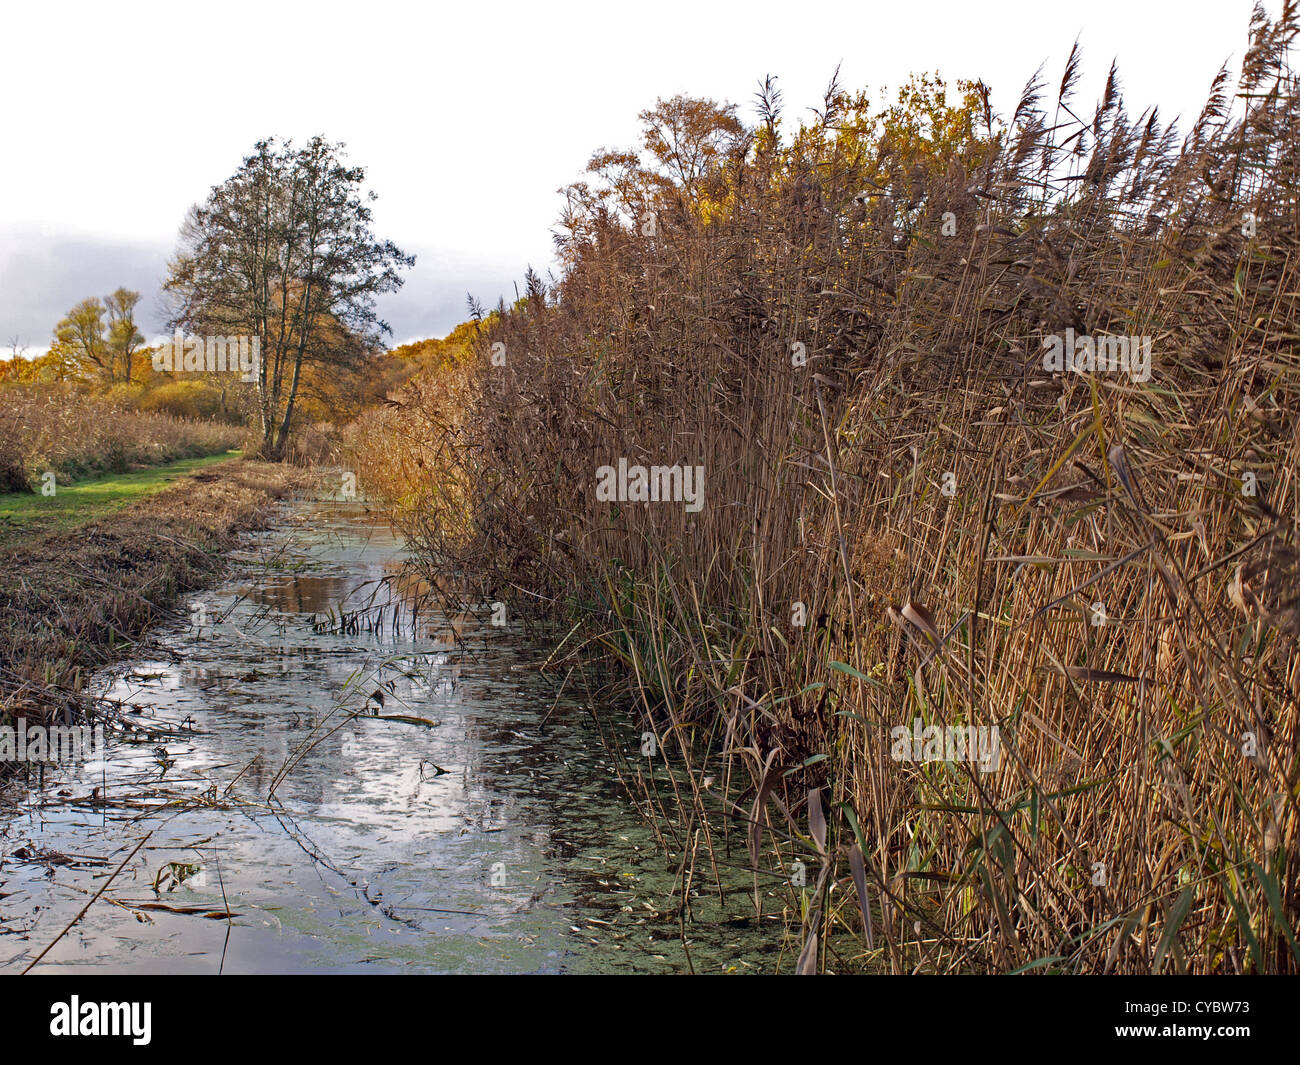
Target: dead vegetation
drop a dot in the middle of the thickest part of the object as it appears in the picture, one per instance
(76, 435)
(70, 602)
(1102, 567)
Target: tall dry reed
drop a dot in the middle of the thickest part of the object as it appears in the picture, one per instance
(1103, 567)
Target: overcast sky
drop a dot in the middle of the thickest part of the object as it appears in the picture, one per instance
(116, 117)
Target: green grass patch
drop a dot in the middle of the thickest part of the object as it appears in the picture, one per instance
(26, 515)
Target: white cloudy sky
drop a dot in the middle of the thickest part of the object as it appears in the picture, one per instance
(116, 117)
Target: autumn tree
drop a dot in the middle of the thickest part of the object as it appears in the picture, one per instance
(124, 339)
(283, 251)
(98, 339)
(81, 342)
(690, 139)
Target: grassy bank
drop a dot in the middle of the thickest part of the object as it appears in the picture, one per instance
(912, 520)
(24, 515)
(73, 599)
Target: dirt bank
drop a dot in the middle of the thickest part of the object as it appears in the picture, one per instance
(73, 600)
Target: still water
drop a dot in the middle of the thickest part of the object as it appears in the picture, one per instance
(487, 833)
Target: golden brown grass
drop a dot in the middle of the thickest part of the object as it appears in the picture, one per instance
(1144, 815)
(74, 435)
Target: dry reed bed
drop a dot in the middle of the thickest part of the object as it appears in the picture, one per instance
(75, 435)
(1143, 816)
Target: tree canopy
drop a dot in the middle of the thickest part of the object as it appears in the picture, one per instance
(283, 251)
